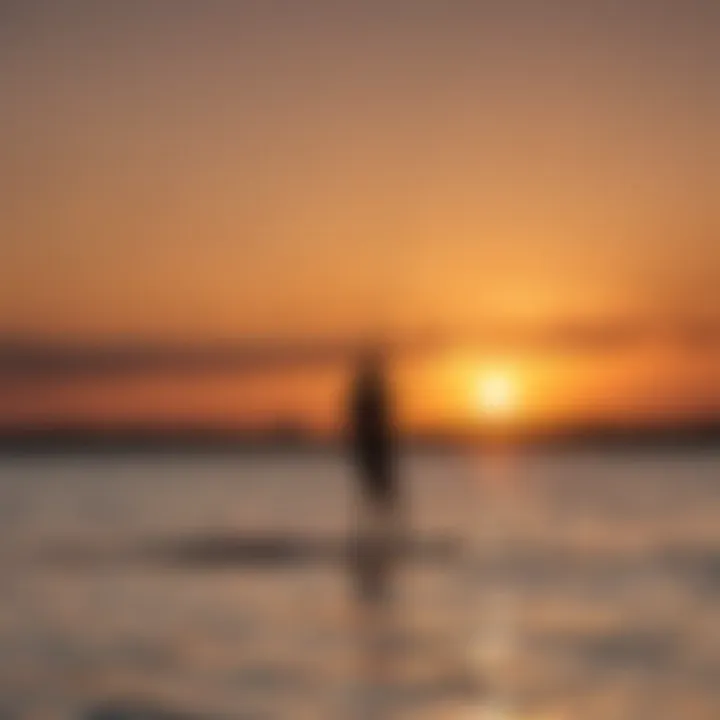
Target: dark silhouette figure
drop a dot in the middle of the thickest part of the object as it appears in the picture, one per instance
(372, 434)
(373, 449)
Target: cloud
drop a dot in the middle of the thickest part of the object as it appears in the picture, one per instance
(34, 359)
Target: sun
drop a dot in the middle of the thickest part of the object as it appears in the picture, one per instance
(496, 394)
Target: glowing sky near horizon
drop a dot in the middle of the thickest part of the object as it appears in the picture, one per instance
(201, 170)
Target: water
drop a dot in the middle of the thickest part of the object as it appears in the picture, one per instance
(587, 588)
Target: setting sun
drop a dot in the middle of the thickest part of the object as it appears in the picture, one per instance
(496, 394)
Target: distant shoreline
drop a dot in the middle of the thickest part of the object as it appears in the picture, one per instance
(196, 441)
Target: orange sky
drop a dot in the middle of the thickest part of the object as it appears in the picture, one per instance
(201, 171)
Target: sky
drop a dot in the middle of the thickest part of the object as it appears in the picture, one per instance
(200, 171)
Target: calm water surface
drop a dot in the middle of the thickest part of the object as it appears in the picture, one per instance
(586, 586)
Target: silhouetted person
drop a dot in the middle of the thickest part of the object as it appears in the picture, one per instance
(373, 448)
(371, 431)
